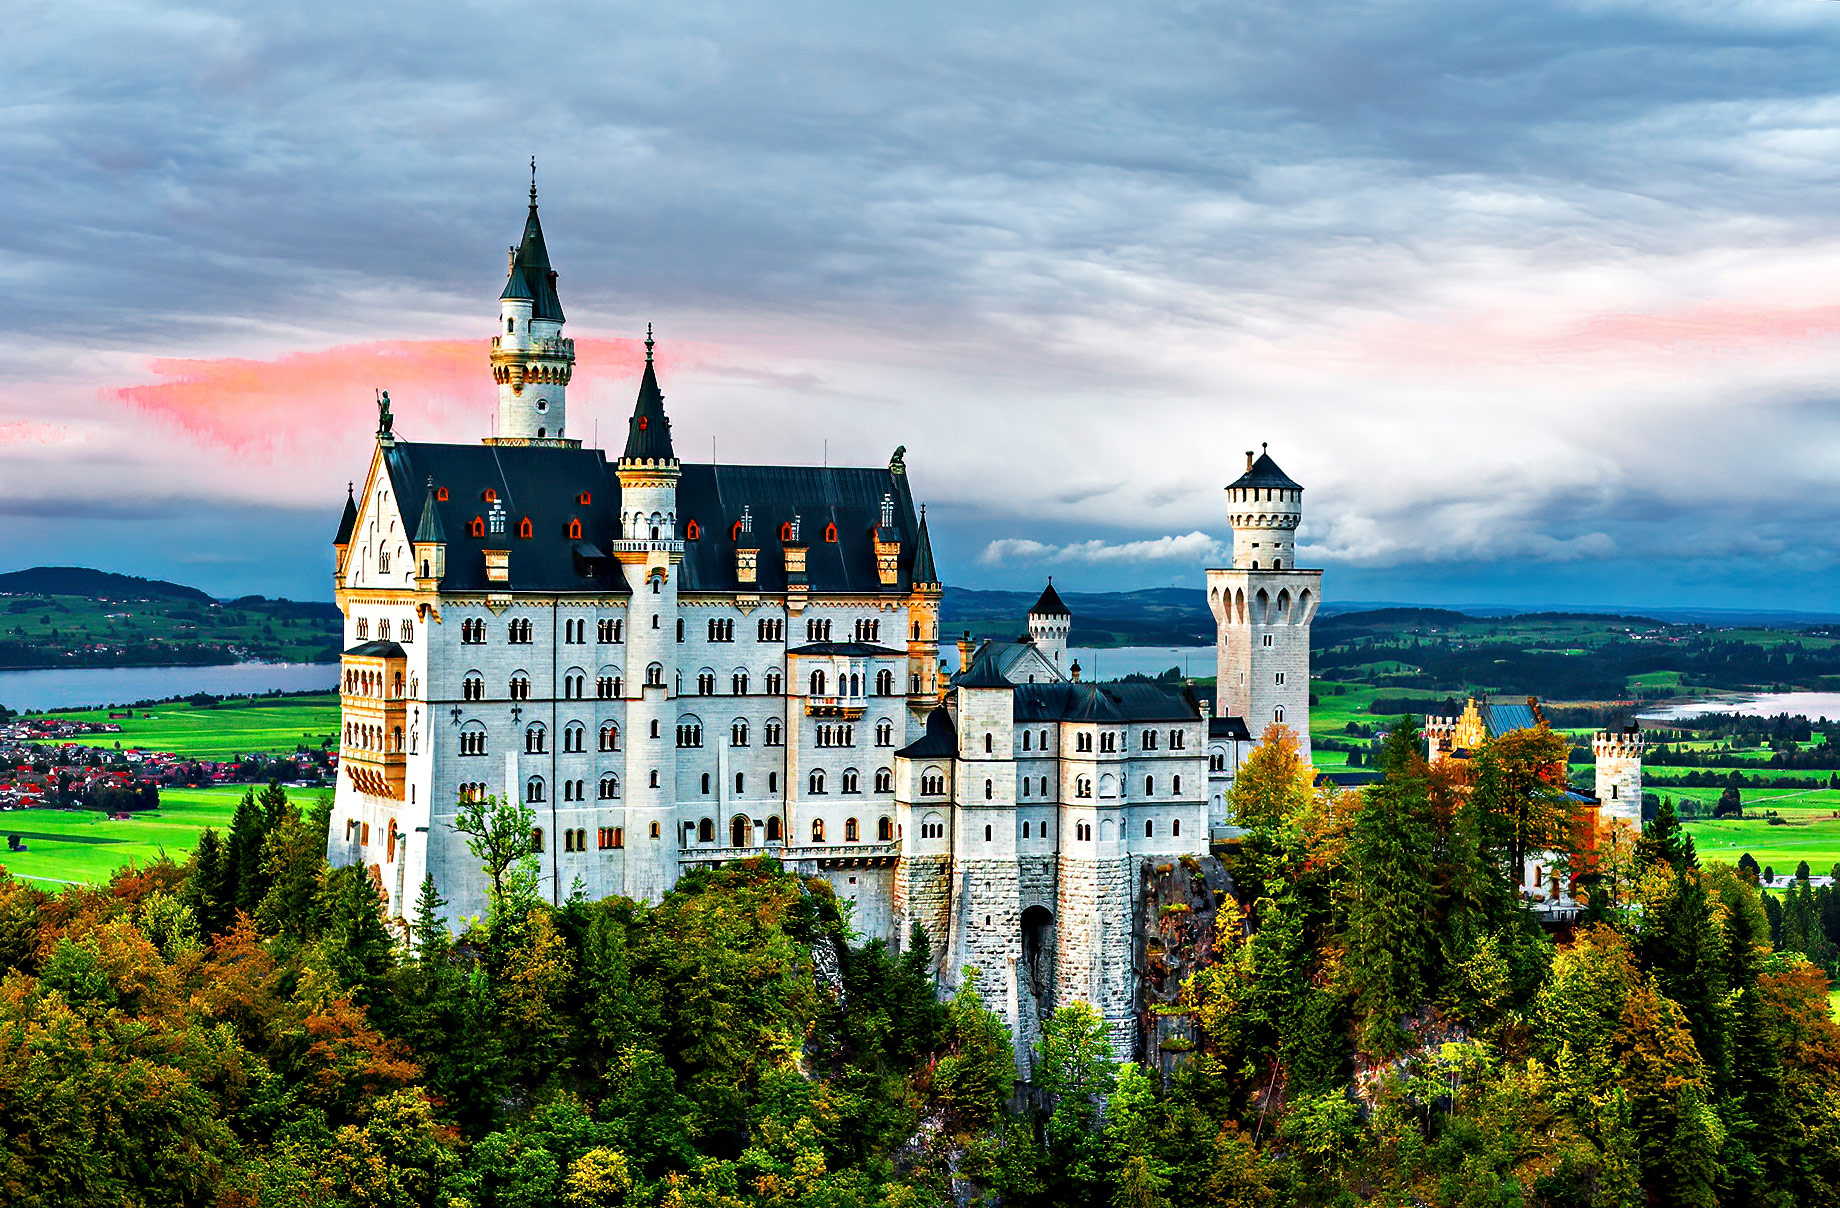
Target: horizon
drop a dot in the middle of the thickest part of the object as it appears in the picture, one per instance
(1522, 334)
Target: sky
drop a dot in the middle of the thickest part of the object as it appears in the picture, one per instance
(1540, 302)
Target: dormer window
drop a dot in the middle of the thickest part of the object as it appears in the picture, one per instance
(692, 531)
(645, 421)
(574, 530)
(524, 529)
(477, 528)
(734, 534)
(584, 499)
(440, 494)
(785, 531)
(830, 533)
(490, 495)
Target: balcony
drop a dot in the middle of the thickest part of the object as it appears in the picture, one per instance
(660, 545)
(848, 707)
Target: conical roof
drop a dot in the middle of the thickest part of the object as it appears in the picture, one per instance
(924, 571)
(429, 531)
(349, 520)
(1264, 472)
(1050, 604)
(531, 276)
(648, 433)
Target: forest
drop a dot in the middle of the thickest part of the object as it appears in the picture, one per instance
(1382, 1021)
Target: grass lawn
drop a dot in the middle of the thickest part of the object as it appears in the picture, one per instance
(84, 846)
(1816, 840)
(269, 726)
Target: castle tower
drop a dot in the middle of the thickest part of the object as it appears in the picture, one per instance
(1619, 774)
(1263, 605)
(531, 361)
(651, 554)
(1049, 624)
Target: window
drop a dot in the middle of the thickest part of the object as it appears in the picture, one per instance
(774, 684)
(473, 741)
(1149, 740)
(1178, 740)
(574, 737)
(1082, 742)
(606, 687)
(1108, 742)
(1175, 826)
(1082, 787)
(680, 629)
(989, 741)
(520, 631)
(884, 829)
(383, 561)
(884, 682)
(1175, 786)
(1149, 786)
(932, 828)
(817, 782)
(721, 630)
(655, 733)
(533, 740)
(536, 838)
(656, 831)
(830, 533)
(770, 630)
(693, 530)
(1277, 714)
(1217, 761)
(654, 783)
(817, 830)
(1025, 830)
(774, 736)
(817, 631)
(610, 788)
(868, 630)
(1044, 740)
(989, 790)
(706, 831)
(1025, 786)
(364, 629)
(654, 676)
(1026, 738)
(497, 514)
(689, 733)
(740, 783)
(1277, 677)
(476, 527)
(738, 683)
(610, 631)
(472, 688)
(568, 840)
(612, 837)
(572, 685)
(1149, 829)
(610, 736)
(1083, 832)
(849, 830)
(817, 683)
(1265, 639)
(932, 783)
(705, 784)
(524, 529)
(773, 829)
(472, 633)
(772, 782)
(884, 733)
(705, 683)
(533, 789)
(987, 838)
(851, 783)
(884, 780)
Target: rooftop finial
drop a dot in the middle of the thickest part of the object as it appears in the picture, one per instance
(533, 180)
(648, 343)
(1264, 447)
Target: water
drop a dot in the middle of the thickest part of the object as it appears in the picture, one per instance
(1815, 706)
(87, 687)
(1122, 660)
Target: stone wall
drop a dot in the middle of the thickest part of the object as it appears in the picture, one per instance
(1186, 913)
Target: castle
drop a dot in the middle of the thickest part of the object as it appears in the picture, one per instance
(677, 664)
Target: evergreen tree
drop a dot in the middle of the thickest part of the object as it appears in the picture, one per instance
(208, 889)
(243, 855)
(1748, 865)
(1666, 841)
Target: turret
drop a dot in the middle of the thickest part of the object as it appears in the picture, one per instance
(531, 361)
(430, 544)
(1264, 506)
(1049, 624)
(1619, 773)
(341, 541)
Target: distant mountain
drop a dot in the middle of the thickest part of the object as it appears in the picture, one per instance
(1156, 616)
(94, 585)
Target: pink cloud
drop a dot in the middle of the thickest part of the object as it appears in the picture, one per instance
(1708, 327)
(443, 385)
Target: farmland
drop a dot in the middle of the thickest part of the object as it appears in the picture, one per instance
(242, 726)
(83, 846)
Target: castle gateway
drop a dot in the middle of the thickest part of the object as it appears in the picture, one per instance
(675, 663)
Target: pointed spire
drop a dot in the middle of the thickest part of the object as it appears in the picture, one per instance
(531, 275)
(924, 571)
(1050, 603)
(429, 531)
(348, 523)
(648, 433)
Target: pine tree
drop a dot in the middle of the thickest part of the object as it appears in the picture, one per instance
(1666, 841)
(243, 856)
(207, 890)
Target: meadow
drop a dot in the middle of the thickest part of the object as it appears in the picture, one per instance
(260, 725)
(84, 846)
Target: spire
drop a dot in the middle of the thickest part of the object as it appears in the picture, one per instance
(1262, 471)
(531, 276)
(349, 521)
(923, 554)
(429, 531)
(1050, 603)
(648, 434)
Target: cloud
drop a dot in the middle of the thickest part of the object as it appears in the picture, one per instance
(1195, 547)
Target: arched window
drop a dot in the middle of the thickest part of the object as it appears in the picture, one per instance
(884, 829)
(705, 784)
(850, 783)
(1175, 826)
(476, 527)
(990, 790)
(654, 676)
(654, 784)
(773, 831)
(1149, 829)
(817, 781)
(610, 787)
(817, 683)
(536, 838)
(989, 743)
(884, 780)
(740, 831)
(574, 737)
(574, 530)
(693, 530)
(524, 529)
(705, 683)
(1149, 786)
(884, 733)
(610, 737)
(706, 831)
(533, 740)
(817, 830)
(738, 683)
(849, 830)
(785, 531)
(533, 789)
(738, 733)
(884, 682)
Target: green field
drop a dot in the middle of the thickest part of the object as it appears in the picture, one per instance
(82, 846)
(1815, 839)
(265, 725)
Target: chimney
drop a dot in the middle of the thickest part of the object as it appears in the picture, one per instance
(1074, 671)
(1248, 460)
(964, 652)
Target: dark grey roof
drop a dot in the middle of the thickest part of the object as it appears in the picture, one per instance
(648, 431)
(376, 650)
(985, 671)
(429, 531)
(860, 650)
(1264, 473)
(924, 571)
(531, 276)
(349, 520)
(1233, 728)
(545, 484)
(1050, 604)
(1113, 701)
(940, 740)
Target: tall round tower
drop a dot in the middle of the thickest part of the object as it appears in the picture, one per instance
(1050, 622)
(531, 359)
(1263, 605)
(651, 554)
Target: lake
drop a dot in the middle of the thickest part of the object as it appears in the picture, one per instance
(81, 687)
(1815, 706)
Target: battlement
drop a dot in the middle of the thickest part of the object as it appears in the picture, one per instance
(1626, 742)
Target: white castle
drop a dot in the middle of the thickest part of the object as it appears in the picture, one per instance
(678, 664)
